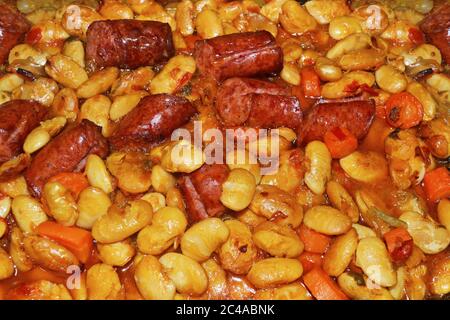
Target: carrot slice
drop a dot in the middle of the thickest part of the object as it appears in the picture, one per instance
(436, 184)
(78, 241)
(75, 182)
(310, 82)
(403, 110)
(310, 260)
(314, 242)
(322, 287)
(340, 141)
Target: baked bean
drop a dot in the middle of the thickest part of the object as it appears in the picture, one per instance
(352, 42)
(175, 74)
(352, 288)
(66, 71)
(98, 175)
(373, 258)
(342, 200)
(278, 241)
(324, 11)
(426, 99)
(327, 69)
(295, 19)
(293, 291)
(276, 205)
(48, 253)
(167, 227)
(6, 265)
(14, 187)
(61, 204)
(99, 82)
(327, 220)
(65, 104)
(113, 9)
(318, 164)
(119, 224)
(443, 210)
(187, 274)
(132, 171)
(102, 282)
(343, 26)
(5, 206)
(366, 167)
(208, 24)
(28, 213)
(162, 181)
(238, 253)
(427, 235)
(117, 253)
(42, 90)
(184, 17)
(238, 189)
(151, 281)
(96, 110)
(156, 199)
(274, 271)
(123, 104)
(17, 252)
(391, 80)
(340, 253)
(182, 156)
(75, 51)
(92, 204)
(77, 19)
(344, 87)
(362, 59)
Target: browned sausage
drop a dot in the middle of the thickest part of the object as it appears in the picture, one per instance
(355, 115)
(437, 28)
(65, 153)
(202, 189)
(128, 44)
(257, 103)
(13, 27)
(239, 55)
(151, 121)
(17, 119)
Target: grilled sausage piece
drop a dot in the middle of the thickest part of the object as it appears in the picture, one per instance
(17, 119)
(151, 121)
(13, 27)
(65, 153)
(354, 115)
(202, 189)
(239, 55)
(437, 28)
(257, 103)
(128, 44)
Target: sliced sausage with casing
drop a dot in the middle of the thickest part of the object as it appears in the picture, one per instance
(65, 153)
(128, 44)
(151, 121)
(257, 103)
(239, 55)
(13, 27)
(354, 115)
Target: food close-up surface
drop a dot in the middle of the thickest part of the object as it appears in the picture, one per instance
(224, 150)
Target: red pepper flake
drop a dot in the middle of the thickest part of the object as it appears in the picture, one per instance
(352, 87)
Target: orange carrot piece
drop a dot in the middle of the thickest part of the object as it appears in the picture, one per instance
(399, 244)
(310, 82)
(310, 260)
(314, 242)
(75, 182)
(436, 184)
(340, 141)
(322, 287)
(78, 241)
(403, 110)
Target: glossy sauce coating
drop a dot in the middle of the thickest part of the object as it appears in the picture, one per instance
(128, 43)
(65, 153)
(257, 103)
(239, 55)
(17, 119)
(151, 121)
